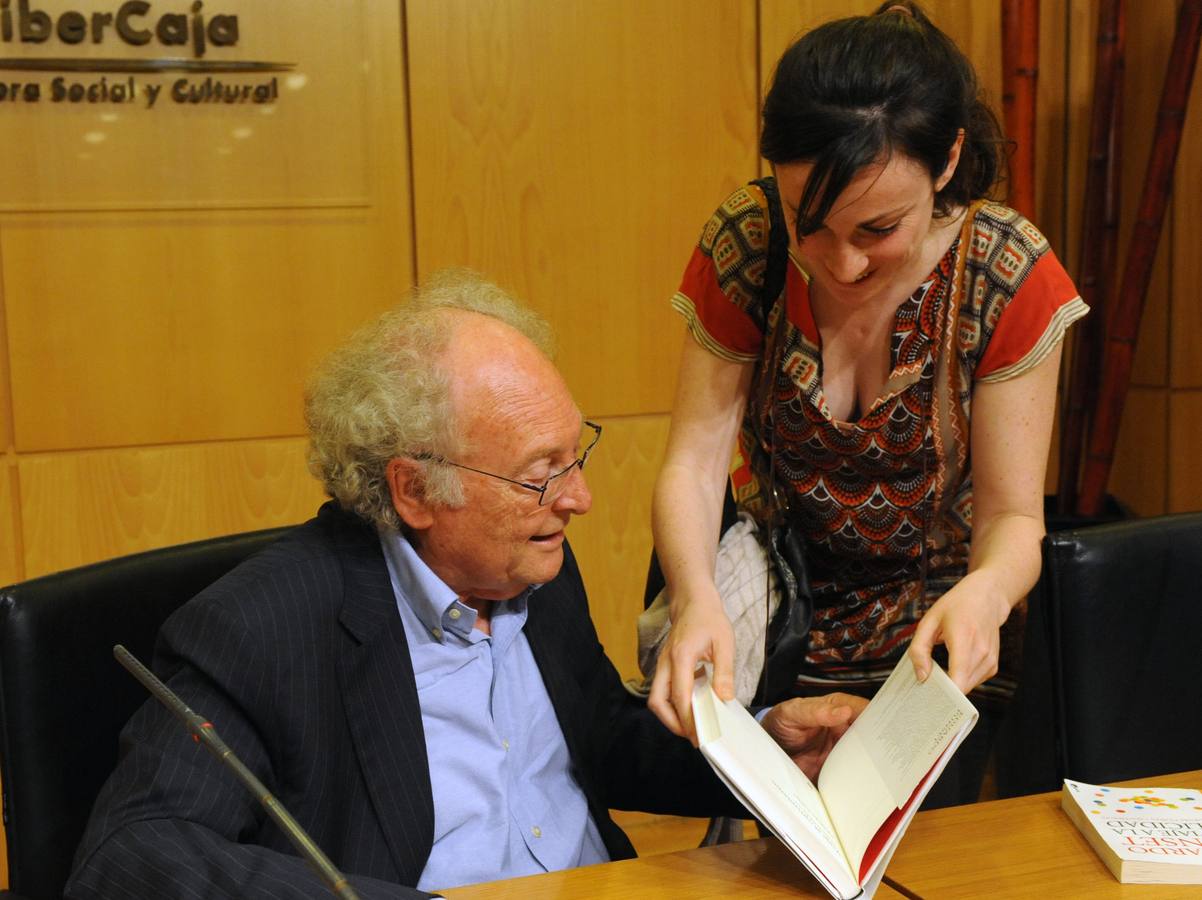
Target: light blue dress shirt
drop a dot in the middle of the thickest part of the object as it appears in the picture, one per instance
(505, 800)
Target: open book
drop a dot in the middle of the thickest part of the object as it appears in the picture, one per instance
(846, 829)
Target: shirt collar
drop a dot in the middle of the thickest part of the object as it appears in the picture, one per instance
(435, 604)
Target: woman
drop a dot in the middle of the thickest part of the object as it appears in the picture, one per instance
(914, 385)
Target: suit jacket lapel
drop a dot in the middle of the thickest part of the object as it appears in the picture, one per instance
(382, 708)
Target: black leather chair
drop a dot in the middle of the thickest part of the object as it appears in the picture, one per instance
(64, 699)
(1112, 685)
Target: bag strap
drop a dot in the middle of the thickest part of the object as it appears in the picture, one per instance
(773, 312)
(785, 637)
(778, 248)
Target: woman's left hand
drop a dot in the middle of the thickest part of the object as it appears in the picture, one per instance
(1011, 431)
(968, 619)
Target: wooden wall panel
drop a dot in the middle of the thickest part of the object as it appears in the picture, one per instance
(573, 151)
(1065, 60)
(973, 26)
(6, 422)
(1185, 336)
(1185, 429)
(613, 542)
(11, 569)
(1149, 37)
(183, 330)
(1140, 476)
(1054, 155)
(87, 506)
(67, 155)
(138, 327)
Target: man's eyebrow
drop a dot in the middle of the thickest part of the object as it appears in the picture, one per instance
(546, 451)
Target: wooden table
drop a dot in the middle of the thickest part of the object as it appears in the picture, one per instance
(748, 870)
(1022, 847)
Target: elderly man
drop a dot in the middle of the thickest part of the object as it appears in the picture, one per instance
(413, 673)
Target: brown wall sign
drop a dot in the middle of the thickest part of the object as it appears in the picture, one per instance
(136, 24)
(130, 22)
(104, 103)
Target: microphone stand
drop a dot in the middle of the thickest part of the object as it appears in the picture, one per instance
(203, 732)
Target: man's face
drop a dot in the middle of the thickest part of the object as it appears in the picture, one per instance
(516, 420)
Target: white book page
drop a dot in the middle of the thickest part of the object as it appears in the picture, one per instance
(771, 785)
(863, 799)
(888, 750)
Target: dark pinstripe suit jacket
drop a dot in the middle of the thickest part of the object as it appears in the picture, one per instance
(299, 659)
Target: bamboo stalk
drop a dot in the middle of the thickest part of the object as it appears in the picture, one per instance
(1122, 327)
(1099, 238)
(1020, 80)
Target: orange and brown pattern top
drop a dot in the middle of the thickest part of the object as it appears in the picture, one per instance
(885, 503)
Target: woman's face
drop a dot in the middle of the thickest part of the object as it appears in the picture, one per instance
(871, 245)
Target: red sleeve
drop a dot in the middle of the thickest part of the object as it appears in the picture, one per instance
(719, 293)
(1028, 324)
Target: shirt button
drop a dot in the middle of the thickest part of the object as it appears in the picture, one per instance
(505, 744)
(454, 614)
(536, 831)
(437, 632)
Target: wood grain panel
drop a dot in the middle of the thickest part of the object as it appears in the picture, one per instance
(784, 21)
(572, 151)
(975, 27)
(10, 538)
(1149, 35)
(1185, 337)
(6, 410)
(136, 330)
(1185, 431)
(1055, 101)
(1139, 477)
(82, 507)
(118, 155)
(1078, 52)
(1066, 56)
(148, 328)
(613, 542)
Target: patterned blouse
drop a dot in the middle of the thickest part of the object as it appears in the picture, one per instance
(884, 503)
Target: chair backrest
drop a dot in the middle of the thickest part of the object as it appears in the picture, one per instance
(1123, 616)
(64, 699)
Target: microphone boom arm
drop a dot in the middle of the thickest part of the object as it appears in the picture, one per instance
(204, 733)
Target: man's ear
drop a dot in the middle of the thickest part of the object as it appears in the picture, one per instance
(408, 499)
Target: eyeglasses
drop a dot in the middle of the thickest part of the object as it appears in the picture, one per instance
(551, 489)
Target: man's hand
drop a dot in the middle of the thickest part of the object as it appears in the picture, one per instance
(808, 727)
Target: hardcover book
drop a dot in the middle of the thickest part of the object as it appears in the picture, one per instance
(846, 827)
(1144, 835)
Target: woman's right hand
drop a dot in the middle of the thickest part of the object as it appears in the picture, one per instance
(711, 397)
(700, 631)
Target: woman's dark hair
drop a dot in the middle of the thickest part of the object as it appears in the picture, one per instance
(855, 91)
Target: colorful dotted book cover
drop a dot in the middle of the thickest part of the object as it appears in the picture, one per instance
(1145, 823)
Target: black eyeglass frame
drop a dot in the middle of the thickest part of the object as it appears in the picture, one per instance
(540, 489)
